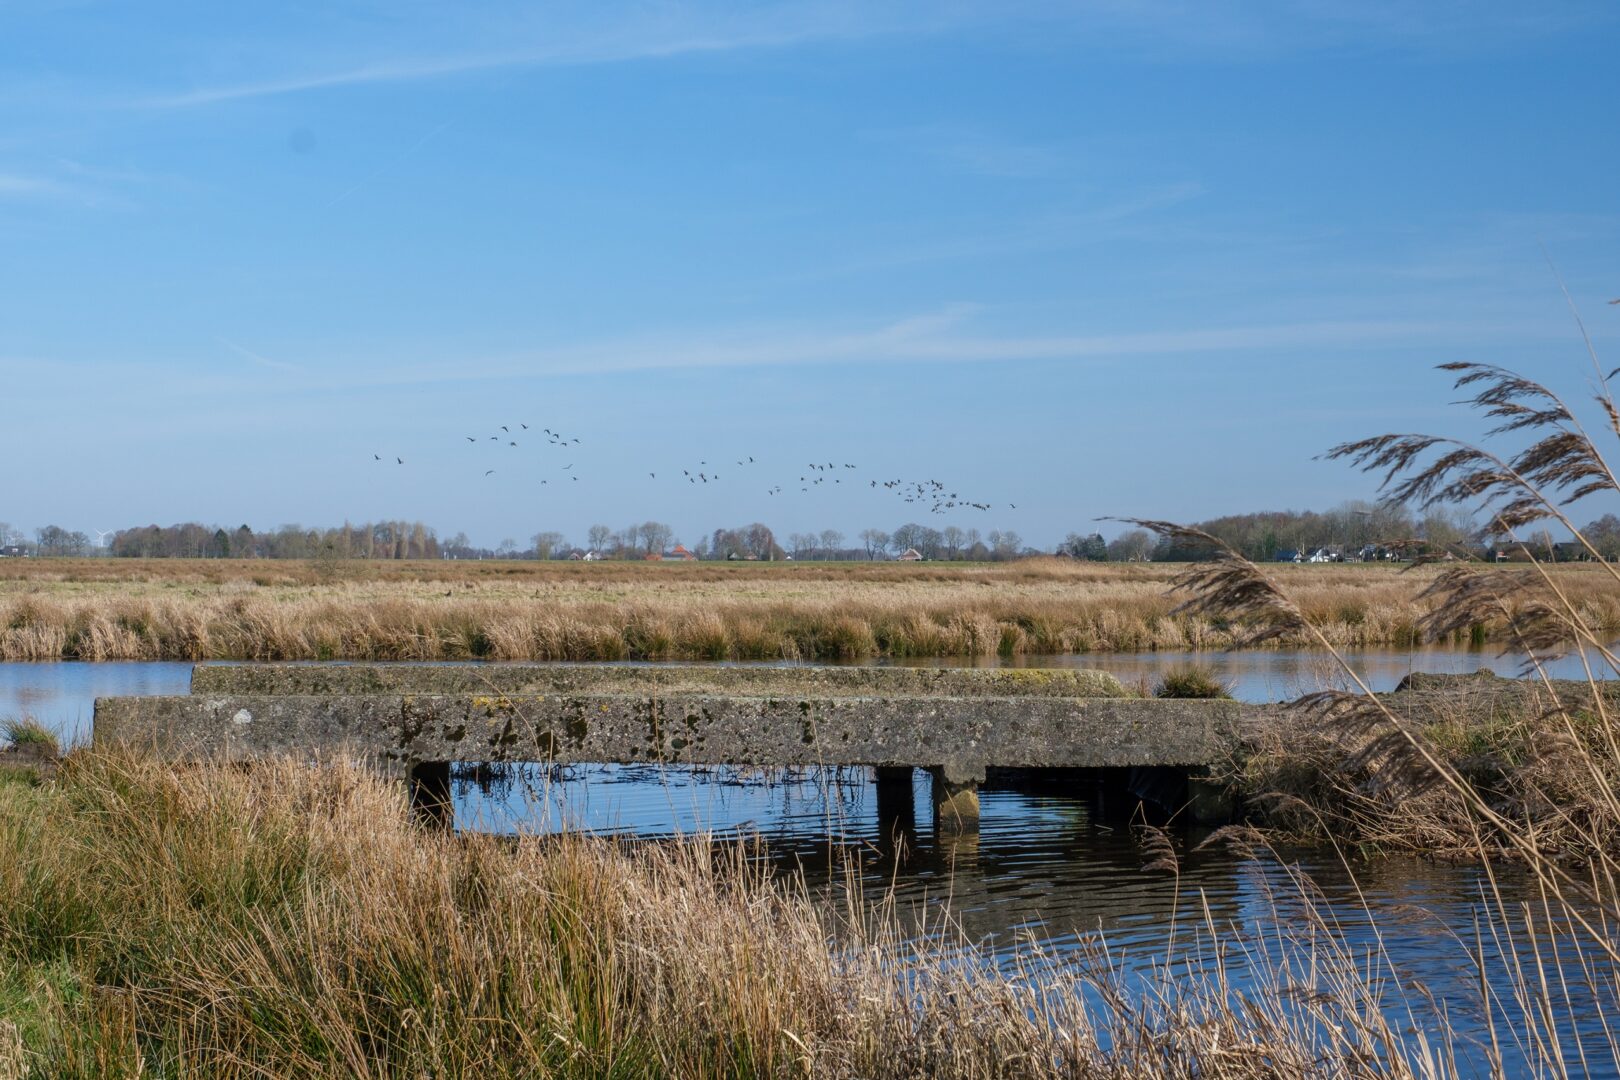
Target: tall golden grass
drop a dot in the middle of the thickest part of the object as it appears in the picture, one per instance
(107, 609)
(287, 921)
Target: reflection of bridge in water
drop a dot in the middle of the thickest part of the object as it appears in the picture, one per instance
(418, 719)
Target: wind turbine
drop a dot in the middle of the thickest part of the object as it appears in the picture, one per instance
(101, 536)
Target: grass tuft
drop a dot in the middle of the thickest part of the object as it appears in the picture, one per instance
(25, 732)
(1192, 681)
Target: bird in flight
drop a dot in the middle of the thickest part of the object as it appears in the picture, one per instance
(488, 472)
(400, 460)
(377, 457)
(471, 439)
(506, 429)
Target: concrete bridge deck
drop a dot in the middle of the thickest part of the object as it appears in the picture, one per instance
(417, 719)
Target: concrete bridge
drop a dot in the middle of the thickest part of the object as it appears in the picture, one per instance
(418, 719)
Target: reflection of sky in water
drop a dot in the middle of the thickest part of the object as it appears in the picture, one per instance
(1047, 864)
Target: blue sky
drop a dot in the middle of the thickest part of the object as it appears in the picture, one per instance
(1137, 259)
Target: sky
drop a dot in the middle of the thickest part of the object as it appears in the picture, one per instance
(1082, 259)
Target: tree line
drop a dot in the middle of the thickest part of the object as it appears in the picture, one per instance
(1347, 529)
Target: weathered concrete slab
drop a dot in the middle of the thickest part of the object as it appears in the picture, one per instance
(961, 735)
(652, 679)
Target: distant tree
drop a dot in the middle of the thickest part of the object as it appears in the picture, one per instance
(761, 542)
(954, 539)
(802, 545)
(222, 544)
(831, 542)
(1604, 534)
(1005, 544)
(599, 536)
(927, 541)
(1132, 546)
(876, 540)
(1449, 528)
(50, 540)
(655, 536)
(630, 541)
(1090, 546)
(546, 544)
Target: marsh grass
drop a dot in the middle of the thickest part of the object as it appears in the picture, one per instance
(1192, 681)
(288, 920)
(109, 609)
(25, 732)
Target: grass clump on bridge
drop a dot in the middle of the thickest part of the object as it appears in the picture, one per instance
(1192, 681)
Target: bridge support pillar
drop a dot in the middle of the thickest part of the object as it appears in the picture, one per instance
(956, 797)
(896, 800)
(429, 784)
(1209, 800)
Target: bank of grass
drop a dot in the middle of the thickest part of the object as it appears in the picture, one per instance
(112, 609)
(1539, 753)
(289, 920)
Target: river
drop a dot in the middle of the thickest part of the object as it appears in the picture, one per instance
(1062, 864)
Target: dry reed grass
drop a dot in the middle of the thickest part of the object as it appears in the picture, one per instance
(107, 609)
(291, 921)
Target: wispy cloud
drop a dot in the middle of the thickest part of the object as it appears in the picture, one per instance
(675, 30)
(970, 150)
(942, 336)
(22, 185)
(278, 365)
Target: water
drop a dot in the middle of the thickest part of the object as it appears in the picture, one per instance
(1061, 864)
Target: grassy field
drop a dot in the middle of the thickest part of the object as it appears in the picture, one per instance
(115, 609)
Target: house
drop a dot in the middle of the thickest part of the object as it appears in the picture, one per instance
(1288, 556)
(13, 551)
(680, 553)
(592, 556)
(910, 555)
(1571, 551)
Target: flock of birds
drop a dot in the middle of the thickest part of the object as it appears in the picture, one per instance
(936, 496)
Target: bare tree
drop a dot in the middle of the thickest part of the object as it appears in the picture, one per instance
(599, 537)
(1133, 546)
(655, 536)
(547, 544)
(876, 540)
(761, 542)
(1005, 544)
(953, 538)
(831, 542)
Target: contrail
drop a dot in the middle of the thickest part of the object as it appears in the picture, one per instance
(385, 166)
(256, 358)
